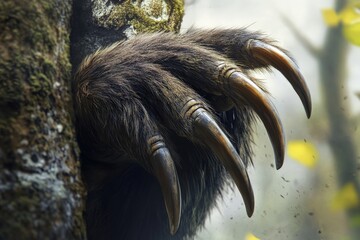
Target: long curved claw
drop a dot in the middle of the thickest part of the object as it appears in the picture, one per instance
(242, 89)
(273, 56)
(207, 129)
(163, 168)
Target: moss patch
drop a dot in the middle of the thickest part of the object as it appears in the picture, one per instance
(37, 144)
(145, 16)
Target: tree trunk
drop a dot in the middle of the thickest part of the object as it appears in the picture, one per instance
(98, 23)
(41, 193)
(333, 68)
(332, 57)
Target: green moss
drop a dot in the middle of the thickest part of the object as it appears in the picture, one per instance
(128, 13)
(156, 8)
(28, 35)
(34, 100)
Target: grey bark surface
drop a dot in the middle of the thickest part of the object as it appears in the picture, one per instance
(41, 194)
(98, 23)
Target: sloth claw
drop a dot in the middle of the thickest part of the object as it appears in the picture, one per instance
(163, 167)
(244, 91)
(275, 57)
(206, 128)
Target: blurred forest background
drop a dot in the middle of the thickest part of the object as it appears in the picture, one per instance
(316, 193)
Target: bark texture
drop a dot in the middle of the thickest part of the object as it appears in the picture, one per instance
(98, 23)
(41, 194)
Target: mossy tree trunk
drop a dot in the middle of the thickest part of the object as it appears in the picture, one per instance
(97, 23)
(41, 193)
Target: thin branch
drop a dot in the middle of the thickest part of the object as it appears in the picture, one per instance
(189, 2)
(310, 47)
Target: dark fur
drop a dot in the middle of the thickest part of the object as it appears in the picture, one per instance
(127, 92)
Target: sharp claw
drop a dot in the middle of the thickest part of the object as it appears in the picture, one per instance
(273, 56)
(246, 91)
(207, 129)
(163, 168)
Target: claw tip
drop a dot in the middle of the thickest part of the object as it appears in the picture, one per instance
(308, 112)
(173, 228)
(307, 105)
(280, 153)
(250, 211)
(279, 163)
(249, 201)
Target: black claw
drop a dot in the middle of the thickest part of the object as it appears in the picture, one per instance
(281, 61)
(206, 128)
(243, 90)
(163, 168)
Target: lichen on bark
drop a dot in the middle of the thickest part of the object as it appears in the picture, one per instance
(143, 15)
(41, 192)
(98, 23)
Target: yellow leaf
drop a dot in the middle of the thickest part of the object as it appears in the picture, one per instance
(303, 152)
(346, 198)
(352, 33)
(330, 17)
(251, 236)
(351, 13)
(350, 17)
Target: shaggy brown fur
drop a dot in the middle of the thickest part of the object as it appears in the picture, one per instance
(132, 90)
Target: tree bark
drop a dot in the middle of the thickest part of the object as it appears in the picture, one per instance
(333, 65)
(98, 23)
(41, 192)
(332, 57)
